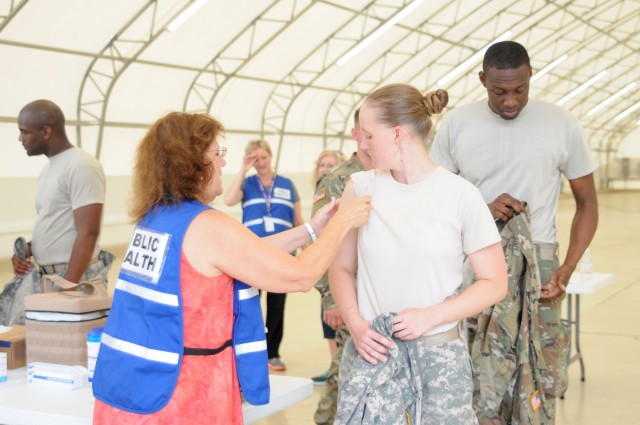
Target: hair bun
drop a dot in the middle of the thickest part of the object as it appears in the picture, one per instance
(436, 101)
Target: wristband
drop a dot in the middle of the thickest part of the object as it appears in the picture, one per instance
(312, 233)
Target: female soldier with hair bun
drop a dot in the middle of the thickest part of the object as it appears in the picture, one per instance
(403, 309)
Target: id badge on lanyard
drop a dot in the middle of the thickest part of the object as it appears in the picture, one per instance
(269, 224)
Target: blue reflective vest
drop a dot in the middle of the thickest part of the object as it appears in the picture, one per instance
(250, 344)
(142, 344)
(278, 204)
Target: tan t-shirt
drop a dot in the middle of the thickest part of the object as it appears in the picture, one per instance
(411, 252)
(524, 157)
(72, 179)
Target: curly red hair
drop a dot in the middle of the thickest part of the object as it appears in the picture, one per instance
(170, 165)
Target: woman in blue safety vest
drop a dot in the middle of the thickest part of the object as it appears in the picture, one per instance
(270, 204)
(167, 354)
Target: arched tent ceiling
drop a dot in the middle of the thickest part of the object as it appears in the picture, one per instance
(269, 67)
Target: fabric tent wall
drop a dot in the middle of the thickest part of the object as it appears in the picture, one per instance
(269, 69)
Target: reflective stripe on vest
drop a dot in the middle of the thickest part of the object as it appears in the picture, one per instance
(146, 293)
(263, 201)
(279, 221)
(139, 350)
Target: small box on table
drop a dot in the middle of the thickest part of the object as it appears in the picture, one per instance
(13, 343)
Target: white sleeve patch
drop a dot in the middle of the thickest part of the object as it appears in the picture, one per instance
(146, 254)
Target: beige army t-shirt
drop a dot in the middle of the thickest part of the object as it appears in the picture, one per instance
(411, 252)
(72, 179)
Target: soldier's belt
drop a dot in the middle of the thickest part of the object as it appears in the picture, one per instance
(448, 336)
(52, 268)
(546, 251)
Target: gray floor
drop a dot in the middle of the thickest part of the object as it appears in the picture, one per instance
(610, 338)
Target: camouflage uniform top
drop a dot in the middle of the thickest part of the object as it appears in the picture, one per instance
(505, 349)
(330, 185)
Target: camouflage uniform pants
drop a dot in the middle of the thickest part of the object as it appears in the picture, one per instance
(447, 385)
(554, 341)
(99, 268)
(326, 410)
(12, 297)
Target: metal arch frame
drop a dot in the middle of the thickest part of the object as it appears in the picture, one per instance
(199, 83)
(13, 11)
(601, 133)
(355, 100)
(599, 33)
(612, 135)
(552, 39)
(336, 105)
(117, 62)
(613, 139)
(291, 93)
(604, 138)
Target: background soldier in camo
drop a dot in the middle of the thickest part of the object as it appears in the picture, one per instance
(332, 185)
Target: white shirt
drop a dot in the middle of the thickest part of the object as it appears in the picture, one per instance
(411, 252)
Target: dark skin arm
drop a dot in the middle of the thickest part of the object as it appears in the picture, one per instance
(583, 227)
(87, 221)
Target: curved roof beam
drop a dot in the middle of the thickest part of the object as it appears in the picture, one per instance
(307, 71)
(13, 11)
(603, 125)
(526, 24)
(339, 114)
(341, 109)
(121, 51)
(564, 30)
(226, 64)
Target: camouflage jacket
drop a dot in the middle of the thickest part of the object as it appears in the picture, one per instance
(505, 350)
(387, 393)
(330, 185)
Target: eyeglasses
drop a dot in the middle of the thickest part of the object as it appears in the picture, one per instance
(222, 152)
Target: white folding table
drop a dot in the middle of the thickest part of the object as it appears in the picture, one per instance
(580, 285)
(31, 404)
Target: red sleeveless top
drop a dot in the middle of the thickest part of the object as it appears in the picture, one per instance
(207, 391)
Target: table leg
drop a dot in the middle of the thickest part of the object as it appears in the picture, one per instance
(573, 329)
(577, 339)
(570, 322)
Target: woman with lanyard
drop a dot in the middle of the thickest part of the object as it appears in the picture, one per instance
(270, 204)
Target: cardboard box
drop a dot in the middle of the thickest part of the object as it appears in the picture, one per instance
(14, 344)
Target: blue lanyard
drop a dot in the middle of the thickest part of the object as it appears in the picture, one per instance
(267, 196)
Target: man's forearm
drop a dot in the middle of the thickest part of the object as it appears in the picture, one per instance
(583, 228)
(80, 258)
